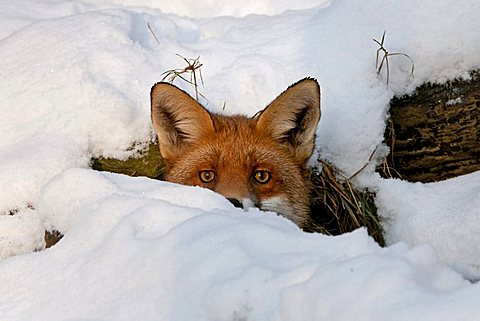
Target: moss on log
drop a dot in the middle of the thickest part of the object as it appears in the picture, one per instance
(149, 164)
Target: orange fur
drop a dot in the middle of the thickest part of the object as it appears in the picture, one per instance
(259, 161)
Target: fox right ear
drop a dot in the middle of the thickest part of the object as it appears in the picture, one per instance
(292, 118)
(178, 119)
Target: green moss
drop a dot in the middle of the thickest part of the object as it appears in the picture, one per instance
(149, 164)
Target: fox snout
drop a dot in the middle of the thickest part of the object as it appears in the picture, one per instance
(235, 202)
(245, 203)
(253, 162)
(235, 189)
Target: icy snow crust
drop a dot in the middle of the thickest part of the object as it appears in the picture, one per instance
(75, 83)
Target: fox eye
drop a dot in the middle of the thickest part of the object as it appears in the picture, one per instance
(206, 176)
(262, 177)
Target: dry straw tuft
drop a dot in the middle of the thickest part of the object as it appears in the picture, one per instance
(339, 207)
(187, 74)
(190, 71)
(386, 54)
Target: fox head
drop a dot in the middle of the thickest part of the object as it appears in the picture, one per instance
(254, 162)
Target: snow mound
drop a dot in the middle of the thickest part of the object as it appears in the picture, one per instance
(211, 8)
(140, 254)
(444, 214)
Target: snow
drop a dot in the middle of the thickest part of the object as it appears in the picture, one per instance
(75, 83)
(131, 252)
(444, 215)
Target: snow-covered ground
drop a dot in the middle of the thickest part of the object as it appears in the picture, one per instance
(75, 83)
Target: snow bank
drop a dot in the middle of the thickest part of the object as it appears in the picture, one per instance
(134, 252)
(75, 83)
(445, 215)
(211, 8)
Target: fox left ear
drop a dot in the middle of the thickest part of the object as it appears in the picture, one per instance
(178, 119)
(293, 116)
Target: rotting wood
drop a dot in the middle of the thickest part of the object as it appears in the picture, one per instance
(434, 133)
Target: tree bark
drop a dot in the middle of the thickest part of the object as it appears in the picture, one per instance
(434, 134)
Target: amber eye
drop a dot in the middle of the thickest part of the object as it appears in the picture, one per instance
(206, 176)
(262, 176)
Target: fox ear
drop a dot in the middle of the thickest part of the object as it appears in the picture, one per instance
(177, 118)
(292, 118)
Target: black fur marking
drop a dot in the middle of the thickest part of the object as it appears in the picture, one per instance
(292, 134)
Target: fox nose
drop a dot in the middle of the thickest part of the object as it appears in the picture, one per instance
(235, 202)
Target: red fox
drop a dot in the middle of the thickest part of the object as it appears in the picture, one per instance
(254, 162)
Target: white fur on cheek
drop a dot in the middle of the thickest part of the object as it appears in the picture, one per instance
(277, 204)
(247, 203)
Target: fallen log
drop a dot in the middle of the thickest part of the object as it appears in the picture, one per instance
(434, 133)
